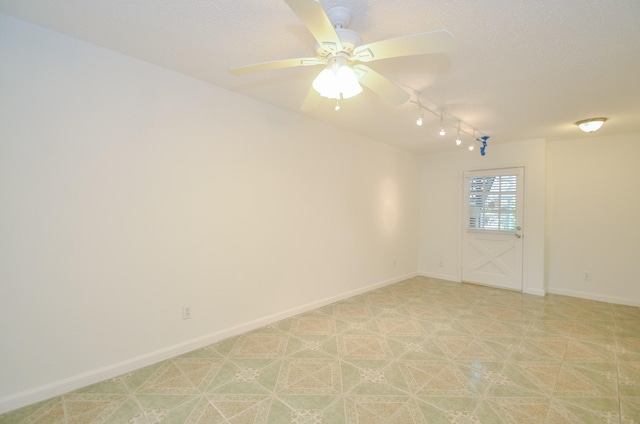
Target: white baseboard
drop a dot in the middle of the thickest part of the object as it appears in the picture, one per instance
(535, 292)
(446, 277)
(57, 388)
(456, 279)
(595, 296)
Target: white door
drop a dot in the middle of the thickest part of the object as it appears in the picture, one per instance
(492, 228)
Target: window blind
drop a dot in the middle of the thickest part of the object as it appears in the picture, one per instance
(492, 202)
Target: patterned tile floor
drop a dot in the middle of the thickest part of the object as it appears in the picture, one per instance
(419, 351)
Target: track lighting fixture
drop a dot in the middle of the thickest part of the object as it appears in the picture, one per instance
(461, 127)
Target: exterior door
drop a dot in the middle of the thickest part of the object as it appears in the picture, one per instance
(493, 228)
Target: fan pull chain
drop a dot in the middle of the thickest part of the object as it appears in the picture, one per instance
(337, 104)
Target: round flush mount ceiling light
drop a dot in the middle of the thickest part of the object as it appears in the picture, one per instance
(591, 124)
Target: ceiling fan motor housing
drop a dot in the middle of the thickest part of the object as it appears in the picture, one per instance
(349, 40)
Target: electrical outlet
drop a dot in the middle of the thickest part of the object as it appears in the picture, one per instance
(186, 312)
(586, 276)
(440, 263)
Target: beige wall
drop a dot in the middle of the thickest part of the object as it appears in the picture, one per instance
(593, 218)
(129, 191)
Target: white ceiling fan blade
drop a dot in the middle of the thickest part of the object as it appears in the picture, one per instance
(411, 45)
(312, 100)
(381, 85)
(276, 64)
(317, 22)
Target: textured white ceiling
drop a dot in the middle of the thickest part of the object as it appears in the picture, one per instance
(519, 70)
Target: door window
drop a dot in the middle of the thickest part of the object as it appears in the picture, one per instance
(492, 202)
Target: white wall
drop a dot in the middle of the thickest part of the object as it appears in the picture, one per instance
(441, 203)
(129, 191)
(593, 225)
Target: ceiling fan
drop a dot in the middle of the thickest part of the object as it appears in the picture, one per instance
(342, 52)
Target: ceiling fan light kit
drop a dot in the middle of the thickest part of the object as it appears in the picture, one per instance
(337, 80)
(591, 124)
